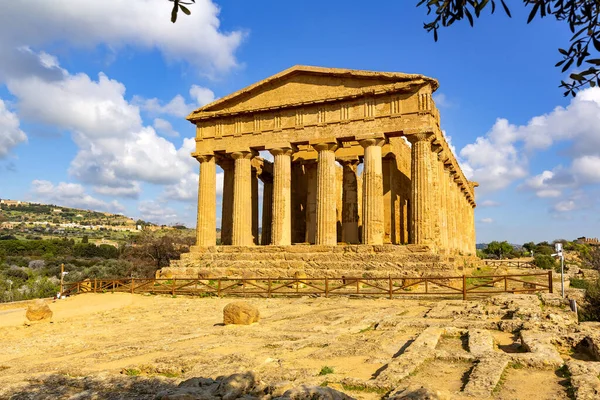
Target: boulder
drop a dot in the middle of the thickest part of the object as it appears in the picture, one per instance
(306, 392)
(38, 311)
(240, 313)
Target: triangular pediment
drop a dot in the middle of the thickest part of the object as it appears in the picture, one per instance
(305, 85)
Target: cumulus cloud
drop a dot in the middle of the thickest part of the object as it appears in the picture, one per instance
(10, 133)
(488, 203)
(177, 106)
(486, 220)
(116, 151)
(163, 126)
(501, 156)
(70, 195)
(196, 39)
(157, 212)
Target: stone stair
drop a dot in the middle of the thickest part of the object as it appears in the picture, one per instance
(312, 260)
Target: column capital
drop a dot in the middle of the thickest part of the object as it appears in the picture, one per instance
(224, 160)
(236, 155)
(328, 145)
(371, 142)
(420, 137)
(203, 157)
(286, 151)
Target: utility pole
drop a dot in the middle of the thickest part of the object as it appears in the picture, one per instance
(62, 277)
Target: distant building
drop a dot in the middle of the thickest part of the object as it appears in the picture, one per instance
(590, 241)
(57, 210)
(14, 203)
(7, 225)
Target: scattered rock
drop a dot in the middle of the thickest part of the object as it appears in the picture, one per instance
(305, 392)
(486, 375)
(38, 311)
(417, 392)
(240, 313)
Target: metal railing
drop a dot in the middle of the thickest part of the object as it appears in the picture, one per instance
(390, 287)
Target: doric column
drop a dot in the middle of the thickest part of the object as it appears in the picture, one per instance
(350, 201)
(242, 199)
(372, 232)
(310, 169)
(282, 197)
(450, 211)
(267, 211)
(226, 163)
(254, 179)
(443, 210)
(420, 194)
(206, 228)
(326, 233)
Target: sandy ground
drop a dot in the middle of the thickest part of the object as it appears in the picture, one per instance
(129, 338)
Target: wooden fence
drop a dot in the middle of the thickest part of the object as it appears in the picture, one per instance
(390, 287)
(510, 263)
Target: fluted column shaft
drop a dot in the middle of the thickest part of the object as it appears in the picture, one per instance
(372, 192)
(242, 199)
(450, 210)
(254, 194)
(206, 227)
(226, 163)
(282, 197)
(443, 210)
(350, 201)
(310, 169)
(420, 193)
(326, 233)
(267, 211)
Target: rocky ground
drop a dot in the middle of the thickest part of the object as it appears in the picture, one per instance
(160, 347)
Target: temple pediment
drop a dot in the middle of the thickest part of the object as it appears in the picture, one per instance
(308, 85)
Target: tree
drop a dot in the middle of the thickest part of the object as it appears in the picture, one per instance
(499, 248)
(582, 16)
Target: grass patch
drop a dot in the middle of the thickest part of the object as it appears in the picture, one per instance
(369, 328)
(501, 382)
(169, 374)
(578, 283)
(564, 373)
(326, 370)
(516, 365)
(131, 372)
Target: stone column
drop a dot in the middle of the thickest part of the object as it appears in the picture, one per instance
(226, 163)
(206, 227)
(326, 233)
(450, 217)
(254, 178)
(372, 232)
(267, 211)
(443, 201)
(420, 195)
(282, 197)
(350, 201)
(310, 169)
(242, 199)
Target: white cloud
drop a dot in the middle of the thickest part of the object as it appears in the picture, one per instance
(196, 39)
(116, 151)
(564, 206)
(157, 212)
(187, 188)
(70, 195)
(494, 160)
(488, 203)
(10, 134)
(543, 185)
(163, 126)
(441, 100)
(202, 95)
(586, 169)
(177, 107)
(486, 220)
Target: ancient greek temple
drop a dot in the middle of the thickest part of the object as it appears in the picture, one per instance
(323, 126)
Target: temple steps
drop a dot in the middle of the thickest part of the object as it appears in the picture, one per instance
(314, 261)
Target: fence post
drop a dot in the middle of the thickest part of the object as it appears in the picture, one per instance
(358, 286)
(78, 288)
(173, 286)
(550, 288)
(426, 286)
(219, 287)
(94, 285)
(269, 290)
(326, 287)
(505, 284)
(391, 287)
(464, 287)
(132, 285)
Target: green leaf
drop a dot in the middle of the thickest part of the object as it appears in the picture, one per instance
(469, 16)
(506, 10)
(174, 13)
(185, 10)
(533, 12)
(594, 61)
(596, 43)
(563, 51)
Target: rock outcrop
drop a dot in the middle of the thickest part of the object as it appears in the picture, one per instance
(240, 313)
(38, 311)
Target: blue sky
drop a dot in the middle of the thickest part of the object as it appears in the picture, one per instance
(93, 97)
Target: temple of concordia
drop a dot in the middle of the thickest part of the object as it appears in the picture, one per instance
(410, 211)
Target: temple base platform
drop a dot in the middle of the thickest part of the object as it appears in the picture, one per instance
(315, 261)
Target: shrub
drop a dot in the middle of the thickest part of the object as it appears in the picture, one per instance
(544, 261)
(326, 370)
(591, 308)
